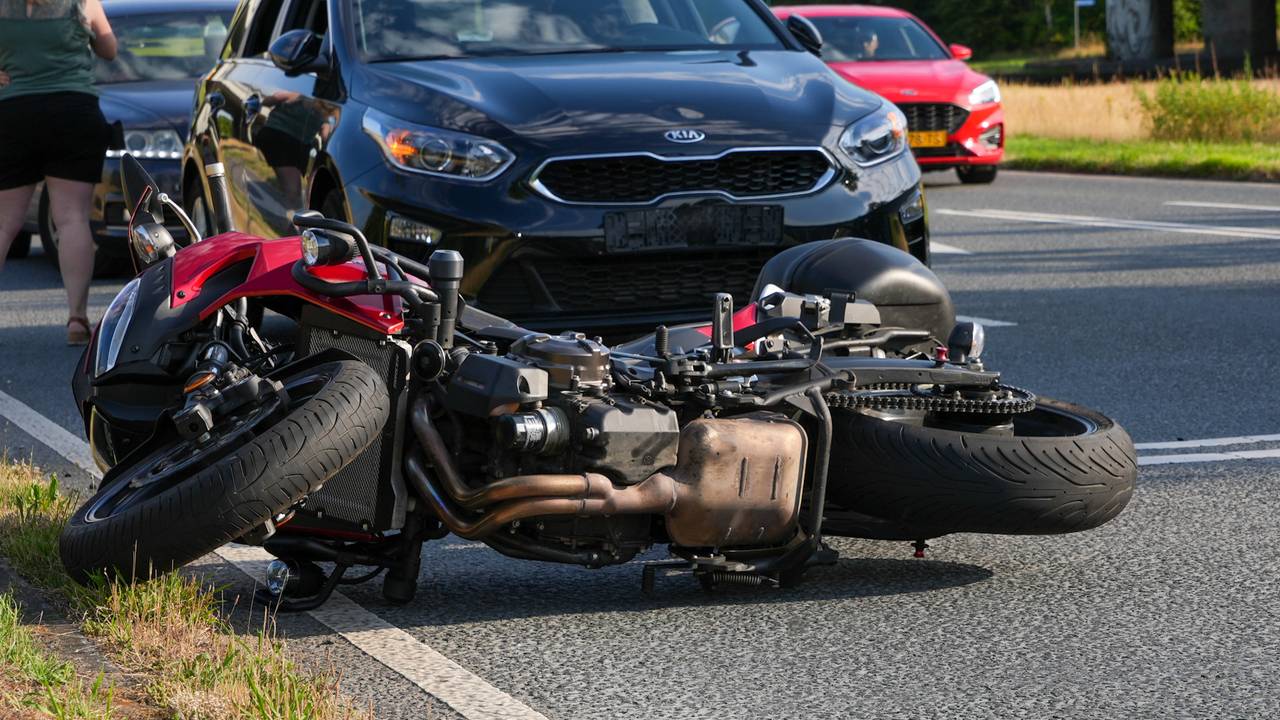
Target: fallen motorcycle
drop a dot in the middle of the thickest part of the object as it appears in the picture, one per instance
(341, 405)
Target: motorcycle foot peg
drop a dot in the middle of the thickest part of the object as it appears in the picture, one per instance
(920, 546)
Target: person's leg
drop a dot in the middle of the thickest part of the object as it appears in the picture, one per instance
(13, 215)
(69, 202)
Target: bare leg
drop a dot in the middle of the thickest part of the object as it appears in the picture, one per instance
(13, 213)
(69, 202)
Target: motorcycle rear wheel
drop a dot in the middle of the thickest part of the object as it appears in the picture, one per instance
(1065, 468)
(184, 500)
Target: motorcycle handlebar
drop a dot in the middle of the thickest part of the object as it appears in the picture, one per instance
(318, 221)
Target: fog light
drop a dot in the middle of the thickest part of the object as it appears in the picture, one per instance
(913, 209)
(278, 574)
(993, 137)
(405, 230)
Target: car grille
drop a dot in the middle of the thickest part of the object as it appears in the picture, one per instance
(638, 179)
(934, 116)
(623, 284)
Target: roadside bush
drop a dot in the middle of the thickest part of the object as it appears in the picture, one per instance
(1186, 106)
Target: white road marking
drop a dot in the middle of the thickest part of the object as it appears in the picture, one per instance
(1119, 223)
(1223, 206)
(50, 433)
(945, 249)
(1208, 442)
(1208, 457)
(459, 688)
(988, 322)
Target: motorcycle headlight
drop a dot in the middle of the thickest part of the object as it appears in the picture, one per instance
(987, 92)
(433, 151)
(165, 144)
(876, 138)
(114, 326)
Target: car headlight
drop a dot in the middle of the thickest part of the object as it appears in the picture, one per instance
(433, 151)
(114, 326)
(876, 138)
(165, 144)
(987, 92)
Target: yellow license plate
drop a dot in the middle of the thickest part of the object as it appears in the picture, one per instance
(927, 138)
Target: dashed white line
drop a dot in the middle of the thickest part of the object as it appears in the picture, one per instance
(945, 249)
(988, 322)
(1223, 206)
(1208, 457)
(467, 693)
(1208, 442)
(1118, 223)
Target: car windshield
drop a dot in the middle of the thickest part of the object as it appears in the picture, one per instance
(870, 39)
(411, 29)
(164, 46)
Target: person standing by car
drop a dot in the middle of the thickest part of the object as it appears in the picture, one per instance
(52, 128)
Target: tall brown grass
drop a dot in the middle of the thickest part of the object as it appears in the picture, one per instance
(1105, 111)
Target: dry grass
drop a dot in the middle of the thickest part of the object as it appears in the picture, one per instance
(168, 631)
(1095, 111)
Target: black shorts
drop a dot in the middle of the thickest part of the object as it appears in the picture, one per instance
(59, 135)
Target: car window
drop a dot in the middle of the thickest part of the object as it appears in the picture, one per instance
(236, 33)
(164, 46)
(403, 29)
(310, 15)
(261, 28)
(876, 38)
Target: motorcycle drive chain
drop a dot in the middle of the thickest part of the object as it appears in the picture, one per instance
(1007, 400)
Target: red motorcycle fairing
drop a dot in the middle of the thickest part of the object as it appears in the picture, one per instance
(271, 273)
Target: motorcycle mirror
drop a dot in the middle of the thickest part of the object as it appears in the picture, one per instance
(141, 194)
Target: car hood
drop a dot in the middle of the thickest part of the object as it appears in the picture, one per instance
(914, 80)
(149, 104)
(615, 100)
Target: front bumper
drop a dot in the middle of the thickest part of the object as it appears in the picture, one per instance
(979, 141)
(546, 265)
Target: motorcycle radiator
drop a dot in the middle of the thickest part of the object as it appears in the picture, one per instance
(370, 492)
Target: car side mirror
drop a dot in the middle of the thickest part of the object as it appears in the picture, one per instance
(961, 52)
(806, 33)
(299, 51)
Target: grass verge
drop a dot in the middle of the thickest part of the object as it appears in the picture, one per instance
(1226, 161)
(169, 631)
(33, 682)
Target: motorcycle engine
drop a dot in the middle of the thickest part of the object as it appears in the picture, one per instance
(550, 407)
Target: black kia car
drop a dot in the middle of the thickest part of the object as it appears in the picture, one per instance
(163, 47)
(599, 163)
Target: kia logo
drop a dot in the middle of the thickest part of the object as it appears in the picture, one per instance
(685, 135)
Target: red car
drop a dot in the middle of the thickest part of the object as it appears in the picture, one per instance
(953, 113)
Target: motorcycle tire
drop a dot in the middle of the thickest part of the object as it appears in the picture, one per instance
(1064, 468)
(229, 485)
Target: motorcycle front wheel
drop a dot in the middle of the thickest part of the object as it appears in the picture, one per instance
(1062, 468)
(185, 498)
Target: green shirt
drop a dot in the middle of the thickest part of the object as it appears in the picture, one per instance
(46, 52)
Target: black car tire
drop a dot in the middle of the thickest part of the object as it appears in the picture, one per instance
(20, 247)
(104, 264)
(977, 174)
(236, 492)
(1066, 468)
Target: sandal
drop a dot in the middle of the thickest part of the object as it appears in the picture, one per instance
(78, 331)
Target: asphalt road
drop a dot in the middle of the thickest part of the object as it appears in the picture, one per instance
(1155, 301)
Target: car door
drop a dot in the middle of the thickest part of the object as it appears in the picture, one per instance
(291, 124)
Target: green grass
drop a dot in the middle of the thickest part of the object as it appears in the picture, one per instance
(168, 631)
(35, 681)
(1228, 161)
(1186, 106)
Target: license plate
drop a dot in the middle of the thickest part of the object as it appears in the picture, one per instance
(692, 227)
(927, 138)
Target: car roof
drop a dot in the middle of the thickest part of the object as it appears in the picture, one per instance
(845, 10)
(117, 8)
